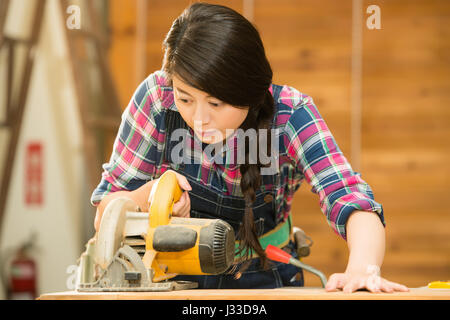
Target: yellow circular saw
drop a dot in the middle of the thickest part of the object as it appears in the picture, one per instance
(141, 251)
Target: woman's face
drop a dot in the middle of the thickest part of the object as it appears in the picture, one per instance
(211, 119)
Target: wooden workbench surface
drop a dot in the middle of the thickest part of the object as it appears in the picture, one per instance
(289, 293)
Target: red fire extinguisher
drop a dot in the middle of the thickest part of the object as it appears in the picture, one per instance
(22, 274)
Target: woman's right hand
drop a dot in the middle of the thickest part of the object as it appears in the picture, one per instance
(181, 208)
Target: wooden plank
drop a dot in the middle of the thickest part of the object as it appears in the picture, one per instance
(122, 15)
(253, 294)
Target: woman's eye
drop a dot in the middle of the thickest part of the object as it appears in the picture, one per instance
(214, 104)
(183, 100)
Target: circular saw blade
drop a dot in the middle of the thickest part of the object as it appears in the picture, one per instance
(112, 229)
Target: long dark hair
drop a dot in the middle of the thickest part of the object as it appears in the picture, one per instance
(216, 50)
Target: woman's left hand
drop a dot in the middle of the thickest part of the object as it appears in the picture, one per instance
(352, 281)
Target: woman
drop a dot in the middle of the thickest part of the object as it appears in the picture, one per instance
(216, 83)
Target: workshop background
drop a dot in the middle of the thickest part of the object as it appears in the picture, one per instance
(379, 72)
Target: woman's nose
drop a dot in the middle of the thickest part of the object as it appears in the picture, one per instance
(201, 114)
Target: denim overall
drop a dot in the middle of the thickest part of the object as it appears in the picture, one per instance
(207, 202)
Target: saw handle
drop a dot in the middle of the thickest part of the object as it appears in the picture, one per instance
(166, 192)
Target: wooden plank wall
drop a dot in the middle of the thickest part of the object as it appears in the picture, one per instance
(406, 134)
(405, 114)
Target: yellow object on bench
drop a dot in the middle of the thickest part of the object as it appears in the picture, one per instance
(439, 285)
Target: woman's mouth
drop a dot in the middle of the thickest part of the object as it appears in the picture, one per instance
(207, 133)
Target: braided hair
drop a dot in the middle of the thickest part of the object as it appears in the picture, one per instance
(216, 50)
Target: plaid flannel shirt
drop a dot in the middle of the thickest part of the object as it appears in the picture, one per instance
(307, 151)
